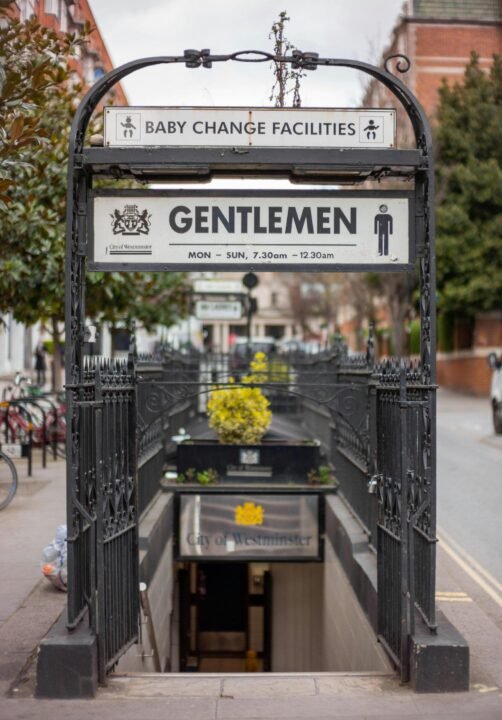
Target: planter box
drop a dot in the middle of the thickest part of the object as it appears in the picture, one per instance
(277, 461)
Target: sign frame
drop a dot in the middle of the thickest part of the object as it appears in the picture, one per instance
(165, 115)
(227, 489)
(246, 266)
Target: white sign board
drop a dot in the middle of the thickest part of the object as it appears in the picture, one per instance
(220, 287)
(250, 127)
(12, 450)
(218, 310)
(223, 230)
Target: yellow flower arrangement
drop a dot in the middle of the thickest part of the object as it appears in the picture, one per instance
(241, 415)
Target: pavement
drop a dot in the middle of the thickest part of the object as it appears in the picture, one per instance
(29, 606)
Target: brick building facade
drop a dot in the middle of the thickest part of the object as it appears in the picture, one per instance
(438, 36)
(71, 16)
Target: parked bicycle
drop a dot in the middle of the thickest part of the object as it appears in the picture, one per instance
(8, 480)
(42, 414)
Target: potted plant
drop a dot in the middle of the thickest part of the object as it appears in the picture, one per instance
(240, 415)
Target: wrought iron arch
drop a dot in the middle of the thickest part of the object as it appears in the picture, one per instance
(77, 182)
(114, 502)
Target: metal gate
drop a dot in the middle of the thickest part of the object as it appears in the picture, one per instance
(380, 421)
(103, 534)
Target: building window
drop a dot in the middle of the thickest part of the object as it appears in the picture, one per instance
(63, 17)
(26, 9)
(51, 7)
(275, 331)
(273, 299)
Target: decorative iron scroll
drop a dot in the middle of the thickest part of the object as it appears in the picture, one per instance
(403, 63)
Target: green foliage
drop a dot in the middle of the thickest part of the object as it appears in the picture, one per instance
(187, 477)
(414, 344)
(469, 177)
(445, 332)
(149, 298)
(323, 475)
(32, 231)
(203, 477)
(207, 477)
(33, 66)
(241, 415)
(37, 103)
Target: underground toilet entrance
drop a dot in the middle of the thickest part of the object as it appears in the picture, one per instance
(254, 617)
(225, 617)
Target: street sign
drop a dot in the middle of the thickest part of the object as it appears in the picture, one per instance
(248, 230)
(218, 287)
(218, 310)
(12, 450)
(250, 127)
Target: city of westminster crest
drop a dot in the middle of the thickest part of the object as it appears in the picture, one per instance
(131, 221)
(249, 514)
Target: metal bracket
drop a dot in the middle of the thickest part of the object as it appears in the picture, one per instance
(373, 484)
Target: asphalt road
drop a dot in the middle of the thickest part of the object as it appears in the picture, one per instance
(469, 478)
(469, 558)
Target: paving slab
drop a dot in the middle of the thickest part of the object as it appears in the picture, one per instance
(355, 685)
(137, 709)
(268, 686)
(151, 686)
(317, 706)
(27, 525)
(23, 631)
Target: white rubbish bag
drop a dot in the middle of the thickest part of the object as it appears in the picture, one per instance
(53, 561)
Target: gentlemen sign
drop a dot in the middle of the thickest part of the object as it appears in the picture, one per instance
(251, 127)
(249, 527)
(275, 230)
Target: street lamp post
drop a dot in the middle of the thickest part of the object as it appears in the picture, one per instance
(250, 281)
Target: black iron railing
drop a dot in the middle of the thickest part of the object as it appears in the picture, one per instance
(406, 505)
(155, 429)
(102, 538)
(378, 426)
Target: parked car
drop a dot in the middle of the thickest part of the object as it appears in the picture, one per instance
(287, 347)
(496, 391)
(243, 351)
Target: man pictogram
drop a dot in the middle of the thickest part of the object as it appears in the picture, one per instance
(383, 227)
(371, 129)
(128, 127)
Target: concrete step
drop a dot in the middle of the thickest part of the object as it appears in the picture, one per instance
(240, 686)
(298, 696)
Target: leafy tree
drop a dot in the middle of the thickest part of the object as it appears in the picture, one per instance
(33, 66)
(469, 178)
(32, 232)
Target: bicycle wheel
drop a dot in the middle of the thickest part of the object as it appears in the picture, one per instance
(8, 480)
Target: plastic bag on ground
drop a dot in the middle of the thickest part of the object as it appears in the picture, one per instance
(54, 560)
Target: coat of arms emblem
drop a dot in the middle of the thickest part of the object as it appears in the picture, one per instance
(249, 514)
(131, 221)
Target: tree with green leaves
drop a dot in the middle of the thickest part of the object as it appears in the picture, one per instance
(469, 192)
(32, 229)
(33, 67)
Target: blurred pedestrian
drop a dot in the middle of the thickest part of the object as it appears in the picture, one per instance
(40, 364)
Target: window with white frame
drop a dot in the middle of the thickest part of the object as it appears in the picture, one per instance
(51, 7)
(26, 9)
(63, 17)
